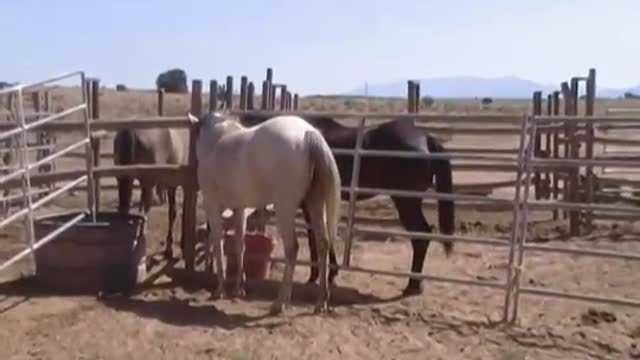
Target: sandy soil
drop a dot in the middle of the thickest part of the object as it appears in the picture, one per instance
(173, 316)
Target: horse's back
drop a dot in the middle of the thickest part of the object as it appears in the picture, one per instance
(165, 145)
(265, 163)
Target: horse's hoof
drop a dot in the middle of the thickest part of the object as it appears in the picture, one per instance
(217, 294)
(276, 309)
(237, 292)
(321, 307)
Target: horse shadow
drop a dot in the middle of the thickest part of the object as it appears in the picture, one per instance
(180, 310)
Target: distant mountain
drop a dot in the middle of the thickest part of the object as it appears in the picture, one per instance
(471, 86)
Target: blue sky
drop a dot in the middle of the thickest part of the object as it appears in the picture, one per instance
(322, 46)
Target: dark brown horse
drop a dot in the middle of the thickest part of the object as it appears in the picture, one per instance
(150, 146)
(389, 173)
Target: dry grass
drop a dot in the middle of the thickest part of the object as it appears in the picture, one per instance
(174, 318)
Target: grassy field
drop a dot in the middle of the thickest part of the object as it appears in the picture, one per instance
(172, 318)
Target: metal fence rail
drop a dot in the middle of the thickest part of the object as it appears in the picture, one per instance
(530, 161)
(20, 131)
(524, 164)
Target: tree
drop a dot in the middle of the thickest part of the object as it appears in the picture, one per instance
(173, 81)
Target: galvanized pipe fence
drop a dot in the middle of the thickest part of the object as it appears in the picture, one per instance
(525, 164)
(19, 132)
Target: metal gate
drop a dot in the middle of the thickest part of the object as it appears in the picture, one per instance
(19, 134)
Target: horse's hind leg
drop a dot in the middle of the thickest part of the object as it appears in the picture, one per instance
(313, 253)
(285, 220)
(316, 212)
(171, 194)
(412, 219)
(239, 225)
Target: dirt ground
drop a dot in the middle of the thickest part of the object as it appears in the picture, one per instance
(171, 316)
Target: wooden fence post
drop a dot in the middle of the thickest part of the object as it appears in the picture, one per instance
(283, 97)
(270, 90)
(589, 111)
(556, 151)
(410, 96)
(51, 136)
(243, 92)
(190, 185)
(416, 96)
(574, 153)
(160, 96)
(537, 110)
(229, 95)
(95, 141)
(272, 97)
(295, 102)
(547, 149)
(213, 95)
(250, 95)
(264, 103)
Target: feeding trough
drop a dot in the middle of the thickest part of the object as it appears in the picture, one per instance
(105, 256)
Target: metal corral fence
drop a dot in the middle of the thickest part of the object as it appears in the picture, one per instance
(19, 131)
(527, 164)
(523, 165)
(36, 104)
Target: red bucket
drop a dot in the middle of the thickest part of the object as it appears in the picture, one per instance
(258, 249)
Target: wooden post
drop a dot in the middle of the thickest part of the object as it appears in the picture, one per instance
(410, 96)
(51, 138)
(272, 97)
(270, 90)
(270, 75)
(229, 96)
(537, 110)
(190, 187)
(89, 93)
(283, 97)
(213, 95)
(160, 96)
(566, 96)
(416, 96)
(264, 103)
(95, 98)
(250, 95)
(574, 153)
(95, 143)
(547, 148)
(243, 93)
(590, 177)
(556, 151)
(295, 102)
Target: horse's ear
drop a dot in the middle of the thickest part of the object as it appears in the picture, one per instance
(192, 119)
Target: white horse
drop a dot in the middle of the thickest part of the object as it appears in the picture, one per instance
(283, 161)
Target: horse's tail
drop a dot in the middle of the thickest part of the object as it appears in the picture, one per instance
(444, 184)
(124, 144)
(327, 177)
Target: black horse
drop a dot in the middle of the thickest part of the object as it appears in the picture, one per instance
(413, 174)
